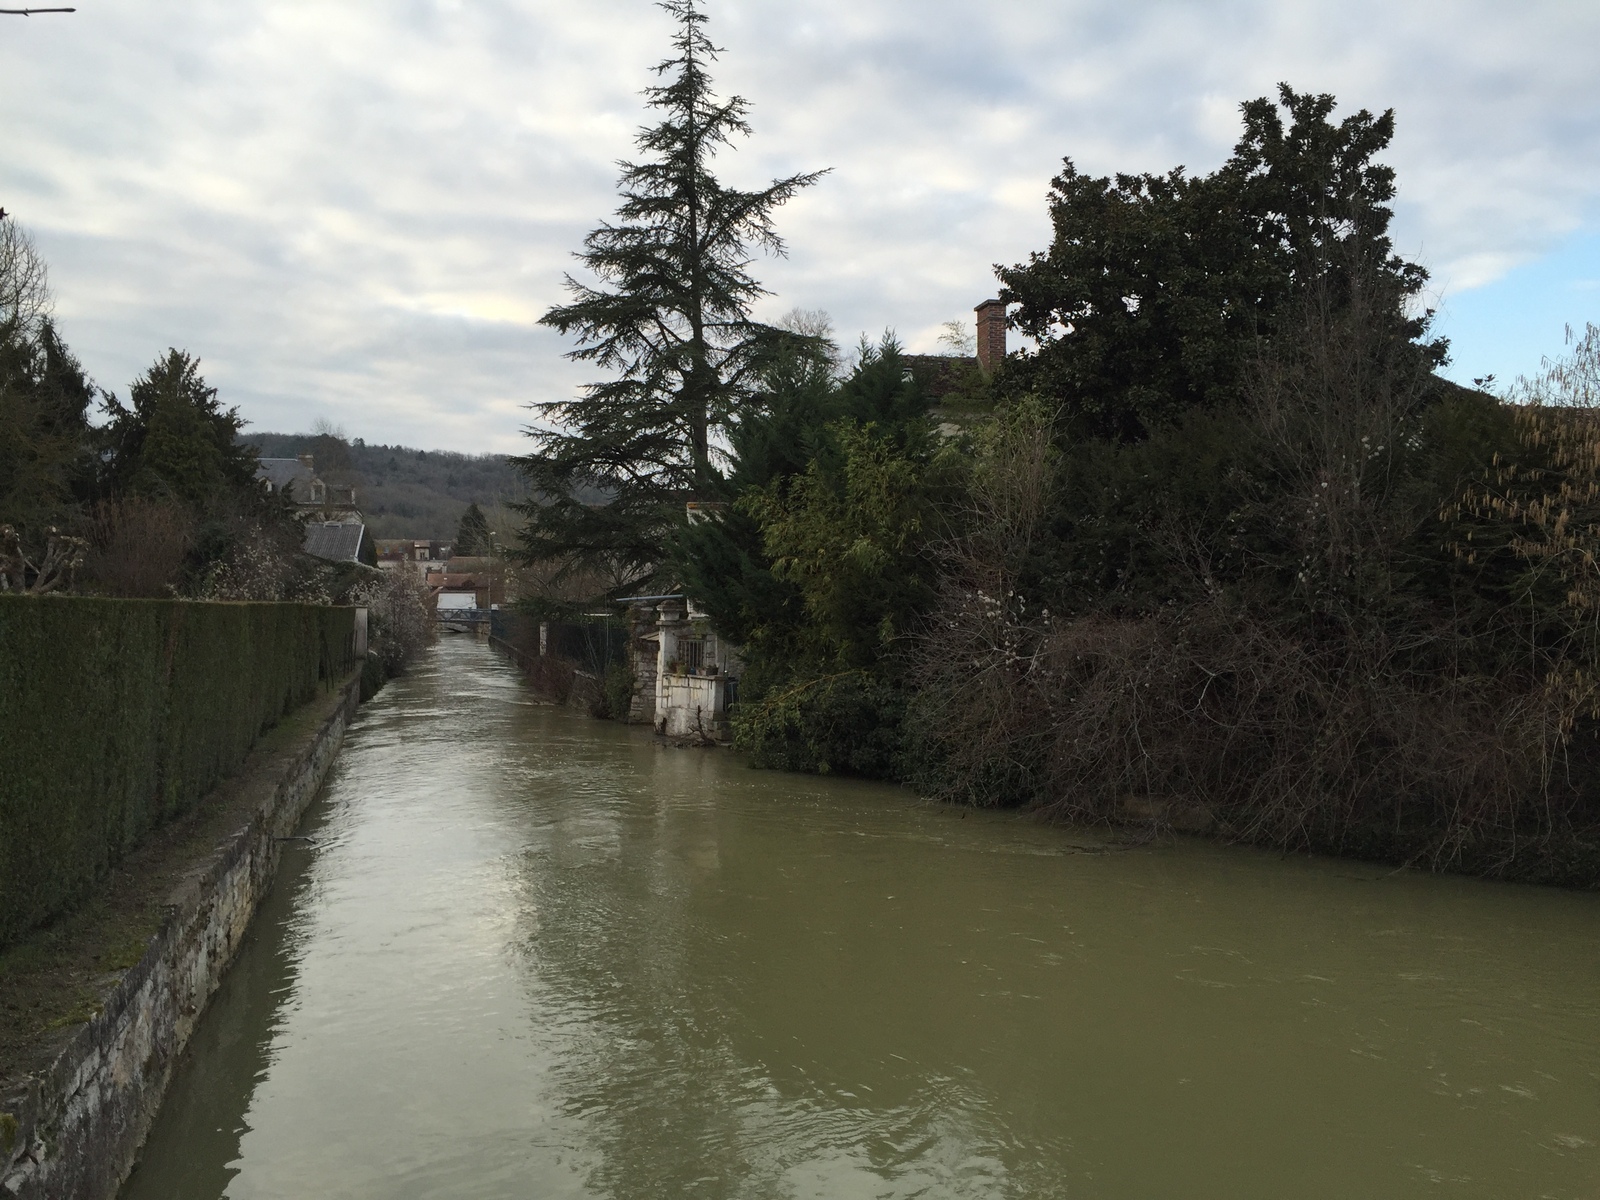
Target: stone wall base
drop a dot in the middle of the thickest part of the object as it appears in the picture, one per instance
(72, 1132)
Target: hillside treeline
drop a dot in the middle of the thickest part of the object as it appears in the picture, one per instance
(1227, 553)
(153, 496)
(404, 492)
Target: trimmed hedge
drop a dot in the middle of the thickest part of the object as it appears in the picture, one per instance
(118, 715)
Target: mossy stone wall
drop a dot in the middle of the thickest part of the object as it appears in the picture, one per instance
(118, 715)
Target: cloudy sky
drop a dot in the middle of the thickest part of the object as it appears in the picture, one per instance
(356, 210)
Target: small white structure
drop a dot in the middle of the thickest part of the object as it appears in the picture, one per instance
(696, 674)
(457, 600)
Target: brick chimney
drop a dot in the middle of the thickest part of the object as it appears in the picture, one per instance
(308, 462)
(991, 334)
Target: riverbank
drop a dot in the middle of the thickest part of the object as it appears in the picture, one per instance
(95, 1008)
(540, 955)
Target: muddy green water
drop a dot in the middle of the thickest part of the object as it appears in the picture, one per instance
(534, 955)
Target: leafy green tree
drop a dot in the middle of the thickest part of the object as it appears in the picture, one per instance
(668, 313)
(850, 538)
(819, 566)
(176, 442)
(472, 534)
(1156, 289)
(799, 434)
(722, 562)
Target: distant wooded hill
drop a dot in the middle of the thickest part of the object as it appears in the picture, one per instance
(406, 493)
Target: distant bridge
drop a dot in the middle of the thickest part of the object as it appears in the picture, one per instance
(464, 620)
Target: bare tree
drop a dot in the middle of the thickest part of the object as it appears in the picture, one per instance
(984, 690)
(18, 573)
(24, 282)
(958, 338)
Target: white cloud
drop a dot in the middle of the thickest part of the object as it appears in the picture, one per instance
(357, 208)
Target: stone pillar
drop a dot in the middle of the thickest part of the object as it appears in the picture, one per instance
(669, 627)
(644, 654)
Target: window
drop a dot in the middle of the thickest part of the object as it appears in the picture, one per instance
(692, 653)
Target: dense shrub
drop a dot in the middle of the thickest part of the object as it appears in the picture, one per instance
(847, 723)
(117, 715)
(137, 548)
(617, 690)
(1353, 611)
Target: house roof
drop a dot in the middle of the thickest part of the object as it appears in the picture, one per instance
(285, 472)
(335, 541)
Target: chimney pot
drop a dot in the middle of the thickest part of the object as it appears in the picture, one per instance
(991, 334)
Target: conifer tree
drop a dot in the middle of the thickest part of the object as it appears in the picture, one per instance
(668, 313)
(472, 533)
(175, 441)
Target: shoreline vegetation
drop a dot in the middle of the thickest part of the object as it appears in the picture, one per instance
(1222, 551)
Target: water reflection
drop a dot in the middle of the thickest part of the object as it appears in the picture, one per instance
(204, 1119)
(540, 955)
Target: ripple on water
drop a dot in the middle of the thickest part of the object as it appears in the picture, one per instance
(533, 954)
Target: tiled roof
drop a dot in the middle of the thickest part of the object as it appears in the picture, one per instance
(334, 540)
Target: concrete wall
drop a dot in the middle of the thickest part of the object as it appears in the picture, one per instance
(72, 1134)
(691, 705)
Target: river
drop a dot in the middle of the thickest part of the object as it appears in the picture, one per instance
(530, 954)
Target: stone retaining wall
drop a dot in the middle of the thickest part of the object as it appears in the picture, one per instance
(74, 1131)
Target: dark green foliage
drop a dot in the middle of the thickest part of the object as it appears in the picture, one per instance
(616, 690)
(472, 533)
(117, 715)
(721, 562)
(175, 445)
(849, 532)
(47, 465)
(1155, 288)
(373, 676)
(669, 313)
(847, 723)
(176, 441)
(1350, 611)
(819, 568)
(851, 539)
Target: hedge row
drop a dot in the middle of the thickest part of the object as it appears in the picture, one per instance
(117, 715)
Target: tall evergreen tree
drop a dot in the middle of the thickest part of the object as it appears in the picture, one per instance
(47, 466)
(46, 460)
(668, 313)
(176, 441)
(472, 534)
